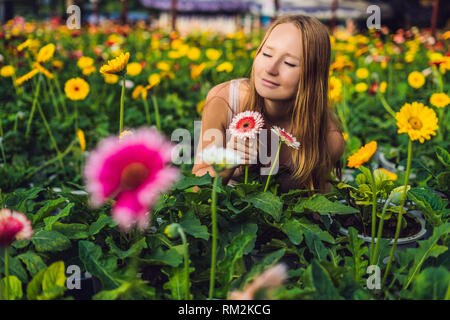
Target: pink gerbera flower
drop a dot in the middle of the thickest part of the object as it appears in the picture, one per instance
(286, 137)
(246, 124)
(133, 171)
(13, 226)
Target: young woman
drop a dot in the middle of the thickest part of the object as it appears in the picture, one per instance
(289, 87)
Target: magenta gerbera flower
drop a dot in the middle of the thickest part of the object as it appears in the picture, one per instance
(286, 137)
(132, 170)
(14, 225)
(246, 124)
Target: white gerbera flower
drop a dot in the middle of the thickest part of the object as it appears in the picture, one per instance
(246, 124)
(286, 137)
(220, 158)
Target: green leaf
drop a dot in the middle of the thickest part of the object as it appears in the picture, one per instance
(325, 289)
(33, 262)
(267, 202)
(431, 284)
(73, 231)
(101, 222)
(169, 257)
(192, 225)
(358, 250)
(233, 252)
(22, 196)
(47, 209)
(443, 156)
(176, 283)
(15, 288)
(135, 249)
(49, 240)
(266, 262)
(189, 181)
(315, 245)
(15, 268)
(320, 204)
(427, 248)
(34, 287)
(293, 229)
(53, 281)
(113, 294)
(90, 255)
(49, 221)
(431, 204)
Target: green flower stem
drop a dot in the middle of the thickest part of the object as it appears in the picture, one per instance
(49, 131)
(380, 230)
(52, 94)
(273, 166)
(402, 203)
(147, 113)
(6, 274)
(246, 174)
(214, 236)
(1, 143)
(186, 263)
(33, 107)
(441, 120)
(155, 104)
(76, 116)
(58, 88)
(121, 104)
(374, 218)
(386, 105)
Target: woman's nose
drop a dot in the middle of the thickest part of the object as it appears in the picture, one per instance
(272, 68)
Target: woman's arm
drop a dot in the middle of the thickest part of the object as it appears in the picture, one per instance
(214, 120)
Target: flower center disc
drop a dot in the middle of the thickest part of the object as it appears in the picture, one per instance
(415, 123)
(133, 175)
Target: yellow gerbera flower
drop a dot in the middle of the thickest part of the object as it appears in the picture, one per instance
(335, 89)
(24, 45)
(383, 86)
(81, 139)
(163, 66)
(361, 87)
(46, 53)
(362, 155)
(225, 66)
(26, 76)
(116, 65)
(110, 78)
(213, 54)
(391, 175)
(139, 91)
(439, 100)
(154, 79)
(362, 73)
(200, 106)
(197, 70)
(42, 70)
(417, 120)
(85, 62)
(7, 71)
(194, 53)
(89, 70)
(416, 79)
(134, 68)
(76, 89)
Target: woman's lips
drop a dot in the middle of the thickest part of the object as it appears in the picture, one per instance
(269, 84)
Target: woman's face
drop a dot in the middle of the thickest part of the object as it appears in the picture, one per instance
(279, 62)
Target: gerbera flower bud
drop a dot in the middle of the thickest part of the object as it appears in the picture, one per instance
(13, 226)
(116, 65)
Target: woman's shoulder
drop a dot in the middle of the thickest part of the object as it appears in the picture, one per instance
(223, 89)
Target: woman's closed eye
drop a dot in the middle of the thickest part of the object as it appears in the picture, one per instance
(289, 64)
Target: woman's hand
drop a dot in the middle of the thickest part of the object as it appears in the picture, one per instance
(246, 148)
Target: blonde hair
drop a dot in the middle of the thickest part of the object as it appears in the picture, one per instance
(310, 112)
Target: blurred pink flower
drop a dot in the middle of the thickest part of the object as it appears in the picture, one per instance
(133, 171)
(14, 225)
